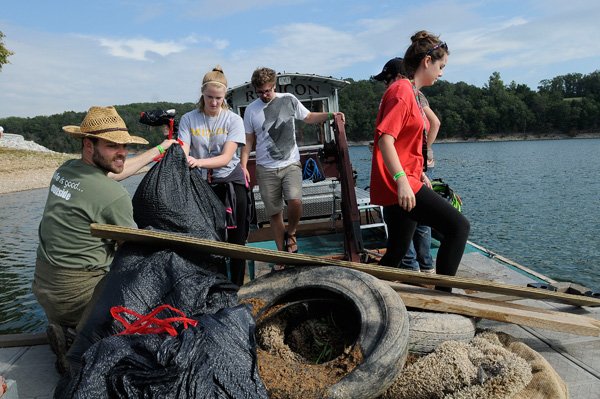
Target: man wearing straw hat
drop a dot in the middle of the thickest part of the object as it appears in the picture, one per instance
(70, 262)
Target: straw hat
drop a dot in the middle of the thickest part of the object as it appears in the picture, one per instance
(104, 123)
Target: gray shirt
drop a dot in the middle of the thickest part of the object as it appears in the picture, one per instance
(207, 135)
(273, 123)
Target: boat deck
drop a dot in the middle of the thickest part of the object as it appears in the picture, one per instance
(575, 358)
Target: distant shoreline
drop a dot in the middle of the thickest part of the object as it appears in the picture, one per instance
(33, 170)
(522, 137)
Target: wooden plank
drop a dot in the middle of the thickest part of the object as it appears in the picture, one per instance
(23, 339)
(168, 239)
(428, 299)
(492, 296)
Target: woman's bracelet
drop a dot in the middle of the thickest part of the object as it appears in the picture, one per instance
(399, 175)
(330, 116)
(160, 149)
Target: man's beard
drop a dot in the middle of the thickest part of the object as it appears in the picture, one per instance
(266, 100)
(105, 164)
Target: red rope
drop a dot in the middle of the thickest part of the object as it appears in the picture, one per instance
(149, 324)
(171, 128)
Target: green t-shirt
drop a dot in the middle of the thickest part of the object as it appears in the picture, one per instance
(81, 194)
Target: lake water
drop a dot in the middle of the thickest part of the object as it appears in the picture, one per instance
(535, 202)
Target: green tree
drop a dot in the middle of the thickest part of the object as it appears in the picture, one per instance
(569, 104)
(508, 113)
(360, 101)
(4, 52)
(591, 86)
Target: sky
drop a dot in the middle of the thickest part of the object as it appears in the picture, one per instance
(70, 55)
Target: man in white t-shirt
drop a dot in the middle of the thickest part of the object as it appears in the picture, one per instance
(270, 122)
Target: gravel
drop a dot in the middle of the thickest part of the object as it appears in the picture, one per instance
(26, 165)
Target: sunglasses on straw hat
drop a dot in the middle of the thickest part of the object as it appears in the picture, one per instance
(104, 123)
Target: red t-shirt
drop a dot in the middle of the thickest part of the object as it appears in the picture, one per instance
(399, 116)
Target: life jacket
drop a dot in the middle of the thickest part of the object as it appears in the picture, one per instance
(445, 191)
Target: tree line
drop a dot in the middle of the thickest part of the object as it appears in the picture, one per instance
(567, 104)
(47, 130)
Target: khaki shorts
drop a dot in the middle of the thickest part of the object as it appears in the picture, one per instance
(64, 293)
(277, 184)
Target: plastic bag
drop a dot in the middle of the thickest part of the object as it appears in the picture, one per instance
(216, 359)
(171, 198)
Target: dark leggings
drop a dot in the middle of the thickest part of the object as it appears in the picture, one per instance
(240, 233)
(431, 210)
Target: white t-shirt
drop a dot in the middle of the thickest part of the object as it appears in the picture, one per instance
(207, 135)
(274, 125)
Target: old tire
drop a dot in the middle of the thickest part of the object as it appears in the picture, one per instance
(383, 333)
(429, 329)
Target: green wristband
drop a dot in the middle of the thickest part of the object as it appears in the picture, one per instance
(160, 149)
(330, 116)
(399, 175)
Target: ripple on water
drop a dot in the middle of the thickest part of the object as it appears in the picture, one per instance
(534, 202)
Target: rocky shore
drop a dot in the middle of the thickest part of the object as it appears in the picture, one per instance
(25, 165)
(18, 142)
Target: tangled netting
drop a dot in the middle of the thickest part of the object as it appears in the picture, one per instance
(214, 359)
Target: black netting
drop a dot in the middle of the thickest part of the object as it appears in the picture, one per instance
(215, 359)
(171, 198)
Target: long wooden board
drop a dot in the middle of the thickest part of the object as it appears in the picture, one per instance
(424, 298)
(23, 339)
(167, 239)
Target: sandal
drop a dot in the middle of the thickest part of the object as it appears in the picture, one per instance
(290, 243)
(278, 267)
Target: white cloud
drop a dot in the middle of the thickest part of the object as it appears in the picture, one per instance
(136, 49)
(543, 42)
(139, 49)
(54, 72)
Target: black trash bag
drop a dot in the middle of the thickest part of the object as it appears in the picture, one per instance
(171, 198)
(215, 359)
(141, 279)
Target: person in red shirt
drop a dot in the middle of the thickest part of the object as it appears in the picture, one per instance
(398, 181)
